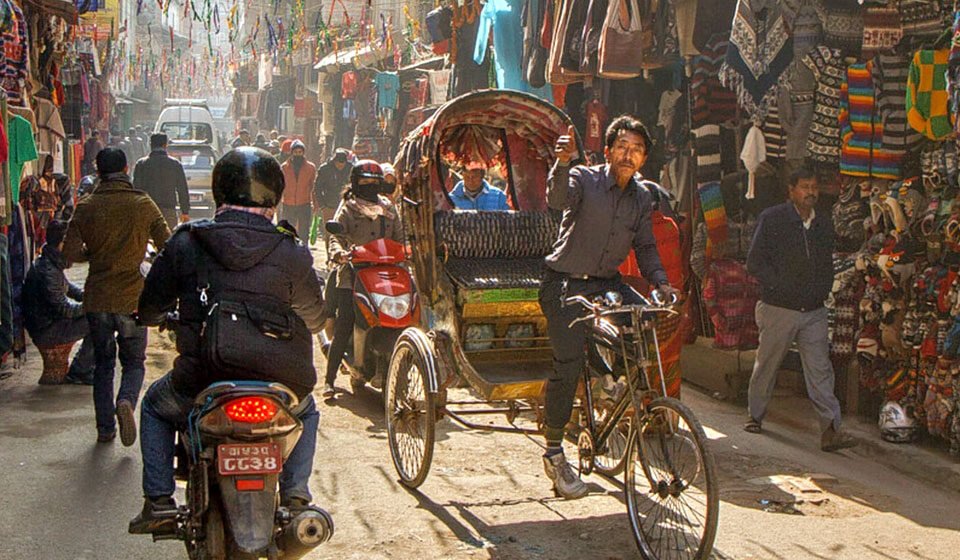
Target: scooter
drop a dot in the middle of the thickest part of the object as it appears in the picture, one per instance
(231, 454)
(385, 303)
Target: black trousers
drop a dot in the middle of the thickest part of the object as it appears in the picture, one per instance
(569, 344)
(341, 302)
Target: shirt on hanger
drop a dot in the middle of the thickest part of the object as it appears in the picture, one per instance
(22, 150)
(596, 123)
(388, 84)
(348, 85)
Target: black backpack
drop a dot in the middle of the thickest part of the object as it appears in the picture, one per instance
(253, 338)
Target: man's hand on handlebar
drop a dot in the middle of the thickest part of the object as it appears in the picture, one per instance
(340, 257)
(665, 294)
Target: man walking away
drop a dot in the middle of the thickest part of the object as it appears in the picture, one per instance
(792, 257)
(299, 176)
(110, 230)
(52, 312)
(136, 147)
(162, 177)
(332, 177)
(90, 150)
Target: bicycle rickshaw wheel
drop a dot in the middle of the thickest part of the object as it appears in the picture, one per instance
(611, 463)
(411, 414)
(673, 500)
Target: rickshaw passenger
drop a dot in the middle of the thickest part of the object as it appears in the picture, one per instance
(475, 193)
(606, 212)
(365, 214)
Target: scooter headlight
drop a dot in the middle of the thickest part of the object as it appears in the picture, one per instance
(392, 306)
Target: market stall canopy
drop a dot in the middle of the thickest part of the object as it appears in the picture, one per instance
(63, 8)
(356, 57)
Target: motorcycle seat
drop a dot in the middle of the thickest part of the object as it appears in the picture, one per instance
(221, 389)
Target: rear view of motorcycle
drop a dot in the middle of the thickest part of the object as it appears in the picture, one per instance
(231, 455)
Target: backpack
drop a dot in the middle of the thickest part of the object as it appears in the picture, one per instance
(253, 338)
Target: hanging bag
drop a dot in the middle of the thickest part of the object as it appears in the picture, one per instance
(621, 52)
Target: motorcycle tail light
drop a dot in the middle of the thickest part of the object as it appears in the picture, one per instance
(251, 410)
(250, 484)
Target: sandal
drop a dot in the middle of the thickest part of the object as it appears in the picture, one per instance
(752, 426)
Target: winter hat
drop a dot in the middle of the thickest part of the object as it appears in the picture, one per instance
(297, 144)
(867, 348)
(286, 147)
(881, 29)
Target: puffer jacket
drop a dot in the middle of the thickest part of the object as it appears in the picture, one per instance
(359, 229)
(248, 257)
(47, 294)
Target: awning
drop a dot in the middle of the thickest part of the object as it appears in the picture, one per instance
(63, 8)
(356, 57)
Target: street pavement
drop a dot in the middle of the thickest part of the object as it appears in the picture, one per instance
(64, 497)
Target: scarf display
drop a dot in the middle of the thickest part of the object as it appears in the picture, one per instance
(760, 51)
(714, 214)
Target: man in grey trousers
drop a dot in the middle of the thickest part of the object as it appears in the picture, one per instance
(792, 257)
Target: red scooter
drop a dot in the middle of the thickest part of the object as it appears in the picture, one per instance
(385, 303)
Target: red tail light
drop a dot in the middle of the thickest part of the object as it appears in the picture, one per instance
(251, 410)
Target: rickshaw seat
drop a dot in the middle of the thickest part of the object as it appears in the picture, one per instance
(491, 250)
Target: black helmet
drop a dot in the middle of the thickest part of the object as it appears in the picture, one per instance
(366, 169)
(247, 176)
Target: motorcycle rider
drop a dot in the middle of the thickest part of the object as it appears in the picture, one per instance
(247, 254)
(365, 215)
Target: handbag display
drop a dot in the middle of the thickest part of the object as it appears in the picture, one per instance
(620, 50)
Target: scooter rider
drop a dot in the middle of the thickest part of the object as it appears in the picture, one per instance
(246, 254)
(365, 215)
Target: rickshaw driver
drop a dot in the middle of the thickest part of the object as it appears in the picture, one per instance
(606, 212)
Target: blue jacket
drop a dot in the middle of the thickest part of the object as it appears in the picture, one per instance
(490, 198)
(793, 264)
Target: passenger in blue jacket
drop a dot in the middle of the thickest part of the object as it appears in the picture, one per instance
(475, 193)
(792, 257)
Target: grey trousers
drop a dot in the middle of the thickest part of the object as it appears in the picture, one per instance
(779, 327)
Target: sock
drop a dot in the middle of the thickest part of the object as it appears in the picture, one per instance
(554, 437)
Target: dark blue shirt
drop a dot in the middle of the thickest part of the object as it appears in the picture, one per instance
(601, 223)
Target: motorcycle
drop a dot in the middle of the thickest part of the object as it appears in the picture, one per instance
(386, 303)
(231, 454)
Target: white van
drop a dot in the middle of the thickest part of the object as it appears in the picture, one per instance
(188, 120)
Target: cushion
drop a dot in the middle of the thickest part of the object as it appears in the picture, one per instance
(474, 234)
(484, 274)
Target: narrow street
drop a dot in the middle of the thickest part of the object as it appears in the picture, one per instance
(67, 498)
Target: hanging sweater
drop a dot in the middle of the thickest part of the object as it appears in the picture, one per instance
(928, 110)
(823, 143)
(861, 148)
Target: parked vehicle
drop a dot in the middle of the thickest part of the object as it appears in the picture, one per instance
(188, 120)
(231, 455)
(386, 303)
(198, 159)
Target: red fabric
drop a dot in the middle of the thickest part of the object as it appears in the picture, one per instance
(560, 95)
(419, 92)
(596, 125)
(4, 144)
(730, 295)
(441, 47)
(667, 234)
(546, 31)
(348, 85)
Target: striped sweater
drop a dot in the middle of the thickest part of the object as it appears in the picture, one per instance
(890, 73)
(712, 102)
(928, 110)
(861, 129)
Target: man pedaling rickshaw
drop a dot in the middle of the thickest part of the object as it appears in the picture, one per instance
(365, 214)
(606, 212)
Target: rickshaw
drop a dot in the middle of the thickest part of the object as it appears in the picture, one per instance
(481, 328)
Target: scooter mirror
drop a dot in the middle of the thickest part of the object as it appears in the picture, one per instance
(334, 227)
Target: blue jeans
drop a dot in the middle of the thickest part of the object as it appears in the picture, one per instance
(110, 332)
(165, 410)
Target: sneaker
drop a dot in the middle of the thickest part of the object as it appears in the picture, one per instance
(74, 378)
(126, 422)
(295, 504)
(833, 440)
(565, 482)
(107, 438)
(159, 515)
(328, 391)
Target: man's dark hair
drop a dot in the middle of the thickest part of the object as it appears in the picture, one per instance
(803, 172)
(110, 160)
(158, 140)
(629, 124)
(56, 231)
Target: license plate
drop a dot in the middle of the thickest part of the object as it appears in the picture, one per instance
(196, 197)
(244, 458)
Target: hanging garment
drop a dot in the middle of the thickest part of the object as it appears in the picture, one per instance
(754, 153)
(712, 102)
(921, 18)
(468, 75)
(861, 129)
(714, 17)
(842, 25)
(928, 110)
(439, 86)
(881, 29)
(14, 62)
(618, 52)
(557, 73)
(823, 144)
(714, 214)
(502, 18)
(535, 54)
(774, 136)
(388, 87)
(348, 85)
(596, 114)
(759, 53)
(590, 40)
(706, 144)
(23, 149)
(730, 295)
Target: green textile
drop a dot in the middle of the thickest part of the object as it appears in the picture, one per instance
(22, 149)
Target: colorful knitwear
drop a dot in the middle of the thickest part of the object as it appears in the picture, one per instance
(730, 295)
(928, 110)
(706, 144)
(890, 73)
(714, 214)
(861, 148)
(712, 103)
(881, 29)
(823, 143)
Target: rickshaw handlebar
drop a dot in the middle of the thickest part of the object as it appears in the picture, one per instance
(605, 307)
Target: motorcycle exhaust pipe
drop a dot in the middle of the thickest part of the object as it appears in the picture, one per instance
(306, 531)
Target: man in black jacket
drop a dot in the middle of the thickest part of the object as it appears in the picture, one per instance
(53, 314)
(792, 257)
(247, 255)
(162, 177)
(332, 177)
